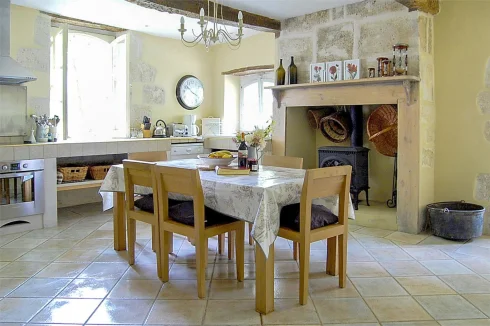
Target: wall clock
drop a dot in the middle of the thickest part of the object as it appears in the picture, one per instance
(190, 92)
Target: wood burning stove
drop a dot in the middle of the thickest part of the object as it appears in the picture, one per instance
(354, 155)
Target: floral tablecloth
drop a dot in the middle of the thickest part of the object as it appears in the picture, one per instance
(256, 198)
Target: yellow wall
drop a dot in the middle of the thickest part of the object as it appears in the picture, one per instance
(461, 53)
(172, 60)
(23, 26)
(255, 50)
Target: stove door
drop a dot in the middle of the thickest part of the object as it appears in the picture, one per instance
(21, 194)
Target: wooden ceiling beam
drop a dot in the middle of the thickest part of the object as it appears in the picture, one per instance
(428, 6)
(191, 8)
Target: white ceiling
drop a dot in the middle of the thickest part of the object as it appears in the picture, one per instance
(282, 9)
(122, 14)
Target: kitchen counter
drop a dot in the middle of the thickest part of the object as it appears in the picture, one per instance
(87, 148)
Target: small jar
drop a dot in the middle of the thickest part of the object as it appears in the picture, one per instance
(380, 65)
(372, 72)
(253, 165)
(387, 72)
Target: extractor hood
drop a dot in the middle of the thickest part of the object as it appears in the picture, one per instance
(11, 72)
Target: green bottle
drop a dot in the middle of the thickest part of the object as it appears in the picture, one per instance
(293, 73)
(280, 74)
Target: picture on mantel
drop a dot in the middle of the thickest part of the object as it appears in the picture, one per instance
(317, 72)
(352, 69)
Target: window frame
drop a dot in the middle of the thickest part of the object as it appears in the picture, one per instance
(65, 29)
(248, 80)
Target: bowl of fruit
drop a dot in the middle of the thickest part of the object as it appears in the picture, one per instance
(214, 159)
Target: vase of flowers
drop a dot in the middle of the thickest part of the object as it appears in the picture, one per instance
(256, 140)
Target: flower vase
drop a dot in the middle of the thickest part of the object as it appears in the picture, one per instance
(253, 158)
(252, 153)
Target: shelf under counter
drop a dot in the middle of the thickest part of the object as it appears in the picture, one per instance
(79, 185)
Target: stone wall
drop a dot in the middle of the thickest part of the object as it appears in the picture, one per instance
(364, 30)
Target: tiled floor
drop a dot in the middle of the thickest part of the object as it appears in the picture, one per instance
(71, 275)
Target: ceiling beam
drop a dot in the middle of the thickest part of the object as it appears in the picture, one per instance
(428, 6)
(249, 70)
(191, 8)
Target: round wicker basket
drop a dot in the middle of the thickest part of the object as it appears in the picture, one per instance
(314, 116)
(382, 129)
(336, 127)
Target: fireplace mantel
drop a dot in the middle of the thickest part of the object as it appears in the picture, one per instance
(292, 135)
(366, 91)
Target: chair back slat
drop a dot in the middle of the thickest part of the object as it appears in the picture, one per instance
(326, 182)
(180, 181)
(148, 156)
(138, 173)
(283, 161)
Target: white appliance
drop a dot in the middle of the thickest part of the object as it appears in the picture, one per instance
(211, 127)
(185, 151)
(190, 122)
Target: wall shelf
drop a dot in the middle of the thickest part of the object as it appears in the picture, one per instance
(355, 82)
(79, 185)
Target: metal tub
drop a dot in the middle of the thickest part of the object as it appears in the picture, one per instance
(456, 220)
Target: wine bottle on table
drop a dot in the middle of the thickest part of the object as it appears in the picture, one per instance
(280, 74)
(293, 73)
(242, 153)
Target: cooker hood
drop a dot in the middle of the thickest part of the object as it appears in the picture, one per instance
(11, 72)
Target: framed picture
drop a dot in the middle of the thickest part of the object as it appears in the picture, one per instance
(317, 72)
(333, 70)
(352, 69)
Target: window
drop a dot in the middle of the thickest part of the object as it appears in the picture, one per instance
(255, 101)
(88, 84)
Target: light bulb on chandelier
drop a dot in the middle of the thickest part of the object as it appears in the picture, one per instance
(216, 32)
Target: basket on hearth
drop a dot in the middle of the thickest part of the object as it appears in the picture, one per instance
(336, 127)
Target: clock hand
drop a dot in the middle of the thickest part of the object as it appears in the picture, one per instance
(187, 87)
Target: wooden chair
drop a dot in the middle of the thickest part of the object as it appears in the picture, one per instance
(141, 174)
(282, 162)
(188, 182)
(320, 183)
(151, 157)
(148, 156)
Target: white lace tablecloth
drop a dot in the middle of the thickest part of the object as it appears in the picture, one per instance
(256, 198)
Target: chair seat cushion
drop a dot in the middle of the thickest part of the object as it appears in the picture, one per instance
(145, 203)
(184, 213)
(320, 217)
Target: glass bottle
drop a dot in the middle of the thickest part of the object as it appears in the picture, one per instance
(280, 74)
(293, 73)
(242, 153)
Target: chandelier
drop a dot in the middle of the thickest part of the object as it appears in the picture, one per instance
(212, 30)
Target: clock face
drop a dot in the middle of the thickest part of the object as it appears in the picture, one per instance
(190, 92)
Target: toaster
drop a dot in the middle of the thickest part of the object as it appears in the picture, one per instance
(180, 130)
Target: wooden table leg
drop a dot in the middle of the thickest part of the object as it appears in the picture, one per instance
(264, 280)
(231, 245)
(119, 222)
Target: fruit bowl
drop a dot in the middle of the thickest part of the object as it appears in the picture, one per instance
(214, 162)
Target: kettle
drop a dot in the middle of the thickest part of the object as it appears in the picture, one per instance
(160, 131)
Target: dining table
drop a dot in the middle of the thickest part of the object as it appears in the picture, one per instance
(257, 198)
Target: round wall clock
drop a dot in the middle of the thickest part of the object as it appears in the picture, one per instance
(190, 92)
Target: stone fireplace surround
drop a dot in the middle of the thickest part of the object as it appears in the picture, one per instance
(402, 91)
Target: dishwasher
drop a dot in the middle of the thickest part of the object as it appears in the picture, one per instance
(185, 151)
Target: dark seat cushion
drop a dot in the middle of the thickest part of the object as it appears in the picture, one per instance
(184, 213)
(145, 203)
(320, 217)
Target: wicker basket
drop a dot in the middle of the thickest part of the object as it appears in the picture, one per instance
(336, 127)
(99, 172)
(382, 129)
(72, 174)
(315, 116)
